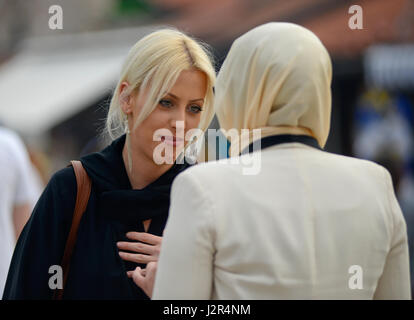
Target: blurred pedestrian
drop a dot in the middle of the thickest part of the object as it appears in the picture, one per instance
(19, 192)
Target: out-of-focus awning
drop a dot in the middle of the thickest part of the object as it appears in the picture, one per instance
(52, 79)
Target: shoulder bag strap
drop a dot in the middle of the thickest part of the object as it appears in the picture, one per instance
(83, 192)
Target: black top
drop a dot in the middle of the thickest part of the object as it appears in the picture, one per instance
(96, 270)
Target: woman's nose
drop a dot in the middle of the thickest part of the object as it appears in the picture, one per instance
(178, 118)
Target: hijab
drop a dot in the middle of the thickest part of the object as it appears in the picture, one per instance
(276, 78)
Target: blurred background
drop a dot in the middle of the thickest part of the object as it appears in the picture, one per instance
(55, 85)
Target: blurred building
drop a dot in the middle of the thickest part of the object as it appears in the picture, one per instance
(81, 61)
(55, 84)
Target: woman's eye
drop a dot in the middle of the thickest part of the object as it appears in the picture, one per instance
(195, 109)
(166, 103)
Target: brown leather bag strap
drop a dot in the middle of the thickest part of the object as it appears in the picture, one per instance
(82, 197)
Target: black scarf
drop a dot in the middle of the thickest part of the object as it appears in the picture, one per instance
(124, 207)
(110, 179)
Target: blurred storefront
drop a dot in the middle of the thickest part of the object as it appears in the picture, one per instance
(55, 91)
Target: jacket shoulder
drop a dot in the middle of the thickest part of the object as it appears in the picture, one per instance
(60, 192)
(64, 180)
(211, 170)
(365, 166)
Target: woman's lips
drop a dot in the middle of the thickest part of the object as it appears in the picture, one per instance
(171, 140)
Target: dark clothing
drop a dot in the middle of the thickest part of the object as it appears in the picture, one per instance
(96, 270)
(281, 138)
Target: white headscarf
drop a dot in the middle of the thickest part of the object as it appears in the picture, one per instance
(276, 77)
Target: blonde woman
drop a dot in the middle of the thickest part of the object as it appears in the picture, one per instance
(308, 224)
(165, 90)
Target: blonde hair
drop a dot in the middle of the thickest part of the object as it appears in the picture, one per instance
(154, 63)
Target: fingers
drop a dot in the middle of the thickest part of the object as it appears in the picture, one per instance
(144, 237)
(138, 278)
(136, 247)
(151, 269)
(137, 258)
(148, 249)
(143, 272)
(142, 281)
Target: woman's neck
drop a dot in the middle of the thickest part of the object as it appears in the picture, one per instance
(144, 170)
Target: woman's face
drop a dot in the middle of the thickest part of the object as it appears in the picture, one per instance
(179, 109)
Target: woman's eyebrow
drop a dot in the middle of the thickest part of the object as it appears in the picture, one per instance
(174, 96)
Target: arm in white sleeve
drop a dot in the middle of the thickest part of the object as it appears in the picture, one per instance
(185, 264)
(26, 190)
(395, 280)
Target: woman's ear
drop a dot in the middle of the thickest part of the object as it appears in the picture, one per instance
(124, 99)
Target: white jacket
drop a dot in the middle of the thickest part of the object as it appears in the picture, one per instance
(309, 225)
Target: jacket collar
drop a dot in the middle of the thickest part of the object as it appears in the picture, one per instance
(279, 139)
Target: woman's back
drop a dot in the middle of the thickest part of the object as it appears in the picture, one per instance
(309, 225)
(313, 215)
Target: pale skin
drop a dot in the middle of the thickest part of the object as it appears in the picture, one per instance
(183, 102)
(21, 213)
(145, 278)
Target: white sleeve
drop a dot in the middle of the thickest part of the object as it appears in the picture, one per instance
(186, 260)
(26, 190)
(395, 279)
